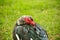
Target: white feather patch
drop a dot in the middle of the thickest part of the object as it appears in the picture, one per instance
(31, 39)
(17, 37)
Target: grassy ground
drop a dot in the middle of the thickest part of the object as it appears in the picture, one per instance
(44, 12)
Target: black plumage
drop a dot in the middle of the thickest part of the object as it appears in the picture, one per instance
(28, 32)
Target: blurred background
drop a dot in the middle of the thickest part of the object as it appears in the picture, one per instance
(44, 12)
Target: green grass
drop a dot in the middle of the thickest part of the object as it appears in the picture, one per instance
(44, 12)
